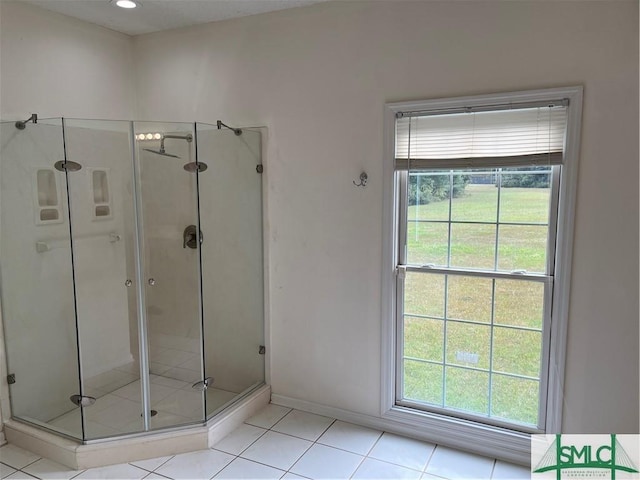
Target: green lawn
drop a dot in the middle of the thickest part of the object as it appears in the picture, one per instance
(513, 303)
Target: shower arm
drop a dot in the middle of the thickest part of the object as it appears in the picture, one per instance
(188, 137)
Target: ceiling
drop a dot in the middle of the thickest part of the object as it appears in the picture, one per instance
(157, 15)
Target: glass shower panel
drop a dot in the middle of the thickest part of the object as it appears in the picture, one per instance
(102, 221)
(37, 280)
(232, 263)
(171, 257)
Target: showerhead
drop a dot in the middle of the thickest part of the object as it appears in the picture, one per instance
(161, 152)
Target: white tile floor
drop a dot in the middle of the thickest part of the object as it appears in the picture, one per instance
(282, 443)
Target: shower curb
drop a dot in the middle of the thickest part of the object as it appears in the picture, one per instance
(80, 456)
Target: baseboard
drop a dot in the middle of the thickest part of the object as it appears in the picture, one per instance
(511, 447)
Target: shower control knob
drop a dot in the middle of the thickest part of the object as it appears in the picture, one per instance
(152, 281)
(128, 283)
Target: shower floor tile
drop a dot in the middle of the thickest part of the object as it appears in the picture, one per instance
(184, 374)
(216, 398)
(117, 415)
(172, 357)
(183, 402)
(158, 368)
(168, 382)
(120, 412)
(185, 344)
(110, 380)
(69, 423)
(133, 391)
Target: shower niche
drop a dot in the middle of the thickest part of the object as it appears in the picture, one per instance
(113, 325)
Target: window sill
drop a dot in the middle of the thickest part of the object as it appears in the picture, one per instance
(487, 440)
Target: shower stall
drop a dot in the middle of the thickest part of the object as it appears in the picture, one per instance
(132, 273)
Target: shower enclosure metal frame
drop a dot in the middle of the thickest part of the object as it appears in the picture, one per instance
(67, 167)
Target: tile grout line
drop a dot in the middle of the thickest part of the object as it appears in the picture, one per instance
(426, 465)
(79, 473)
(225, 466)
(312, 442)
(264, 464)
(152, 471)
(298, 459)
(396, 464)
(358, 467)
(374, 444)
(366, 455)
(266, 430)
(252, 461)
(493, 468)
(28, 465)
(247, 447)
(306, 439)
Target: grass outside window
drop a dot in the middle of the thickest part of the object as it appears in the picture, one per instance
(473, 343)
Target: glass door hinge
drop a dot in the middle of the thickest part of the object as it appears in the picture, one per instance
(82, 400)
(202, 385)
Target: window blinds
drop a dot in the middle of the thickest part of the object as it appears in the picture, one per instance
(478, 139)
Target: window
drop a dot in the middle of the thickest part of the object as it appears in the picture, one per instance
(479, 199)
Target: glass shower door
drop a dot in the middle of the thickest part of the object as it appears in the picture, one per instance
(102, 220)
(232, 262)
(168, 201)
(37, 279)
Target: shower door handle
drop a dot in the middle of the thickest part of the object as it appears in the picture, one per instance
(189, 237)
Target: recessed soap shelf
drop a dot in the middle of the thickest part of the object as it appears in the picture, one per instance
(100, 186)
(48, 201)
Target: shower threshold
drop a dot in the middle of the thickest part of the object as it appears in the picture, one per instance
(139, 446)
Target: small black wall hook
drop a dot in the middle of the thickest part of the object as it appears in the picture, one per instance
(363, 180)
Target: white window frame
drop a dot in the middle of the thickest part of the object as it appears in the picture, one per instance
(457, 432)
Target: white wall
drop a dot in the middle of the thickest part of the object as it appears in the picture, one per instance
(318, 77)
(56, 66)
